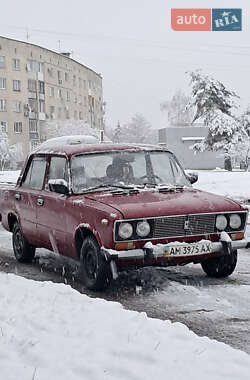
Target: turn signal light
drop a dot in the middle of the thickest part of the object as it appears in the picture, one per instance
(123, 245)
(238, 236)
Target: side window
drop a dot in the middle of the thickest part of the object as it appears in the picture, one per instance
(35, 176)
(58, 169)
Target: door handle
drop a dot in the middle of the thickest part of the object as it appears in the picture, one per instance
(18, 196)
(40, 202)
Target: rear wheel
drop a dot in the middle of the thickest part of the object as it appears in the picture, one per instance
(221, 266)
(94, 268)
(23, 250)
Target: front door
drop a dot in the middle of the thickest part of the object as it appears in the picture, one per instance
(51, 211)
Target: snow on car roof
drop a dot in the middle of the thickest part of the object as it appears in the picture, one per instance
(69, 140)
(88, 144)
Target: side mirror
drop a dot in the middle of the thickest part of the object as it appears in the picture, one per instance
(192, 177)
(59, 186)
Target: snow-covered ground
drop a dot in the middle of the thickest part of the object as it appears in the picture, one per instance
(50, 331)
(234, 184)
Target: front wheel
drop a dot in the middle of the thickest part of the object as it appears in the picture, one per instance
(23, 250)
(94, 268)
(221, 266)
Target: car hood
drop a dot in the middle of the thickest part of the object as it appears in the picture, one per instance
(150, 203)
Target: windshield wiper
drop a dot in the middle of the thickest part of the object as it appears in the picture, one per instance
(176, 187)
(108, 185)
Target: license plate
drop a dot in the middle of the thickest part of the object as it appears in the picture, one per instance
(191, 249)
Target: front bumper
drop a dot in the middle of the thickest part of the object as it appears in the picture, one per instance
(158, 250)
(153, 252)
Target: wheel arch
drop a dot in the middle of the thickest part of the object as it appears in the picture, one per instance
(12, 219)
(81, 233)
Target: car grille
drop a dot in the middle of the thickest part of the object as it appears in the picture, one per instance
(184, 225)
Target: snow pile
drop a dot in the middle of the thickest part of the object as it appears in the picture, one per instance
(49, 331)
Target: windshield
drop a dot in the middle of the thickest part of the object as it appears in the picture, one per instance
(125, 169)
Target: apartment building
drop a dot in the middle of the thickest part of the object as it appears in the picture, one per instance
(38, 85)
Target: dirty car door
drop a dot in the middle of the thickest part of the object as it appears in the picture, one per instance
(27, 197)
(51, 213)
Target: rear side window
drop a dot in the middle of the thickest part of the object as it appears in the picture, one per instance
(35, 175)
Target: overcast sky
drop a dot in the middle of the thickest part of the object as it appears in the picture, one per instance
(130, 42)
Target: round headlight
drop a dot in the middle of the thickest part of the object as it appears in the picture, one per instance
(235, 221)
(221, 222)
(125, 230)
(142, 228)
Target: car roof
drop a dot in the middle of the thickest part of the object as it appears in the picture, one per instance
(72, 147)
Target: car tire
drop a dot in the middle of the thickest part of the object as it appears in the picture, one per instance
(24, 252)
(221, 266)
(95, 270)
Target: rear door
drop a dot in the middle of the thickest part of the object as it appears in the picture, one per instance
(27, 197)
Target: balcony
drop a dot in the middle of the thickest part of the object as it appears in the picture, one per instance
(42, 116)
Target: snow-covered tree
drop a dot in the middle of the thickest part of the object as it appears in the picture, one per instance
(208, 96)
(10, 155)
(138, 130)
(57, 128)
(176, 109)
(224, 133)
(215, 105)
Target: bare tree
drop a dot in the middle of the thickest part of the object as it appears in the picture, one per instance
(176, 109)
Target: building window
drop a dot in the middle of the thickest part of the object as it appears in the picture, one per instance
(40, 67)
(16, 64)
(66, 77)
(18, 127)
(2, 83)
(41, 106)
(52, 112)
(59, 76)
(51, 72)
(17, 106)
(84, 84)
(80, 115)
(16, 85)
(2, 104)
(32, 85)
(80, 99)
(34, 144)
(4, 126)
(75, 99)
(51, 91)
(67, 116)
(33, 105)
(80, 82)
(32, 66)
(59, 93)
(75, 115)
(2, 62)
(85, 101)
(68, 96)
(41, 87)
(74, 80)
(59, 112)
(33, 125)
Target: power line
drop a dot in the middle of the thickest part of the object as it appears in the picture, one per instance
(183, 46)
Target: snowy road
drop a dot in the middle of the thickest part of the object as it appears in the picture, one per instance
(219, 309)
